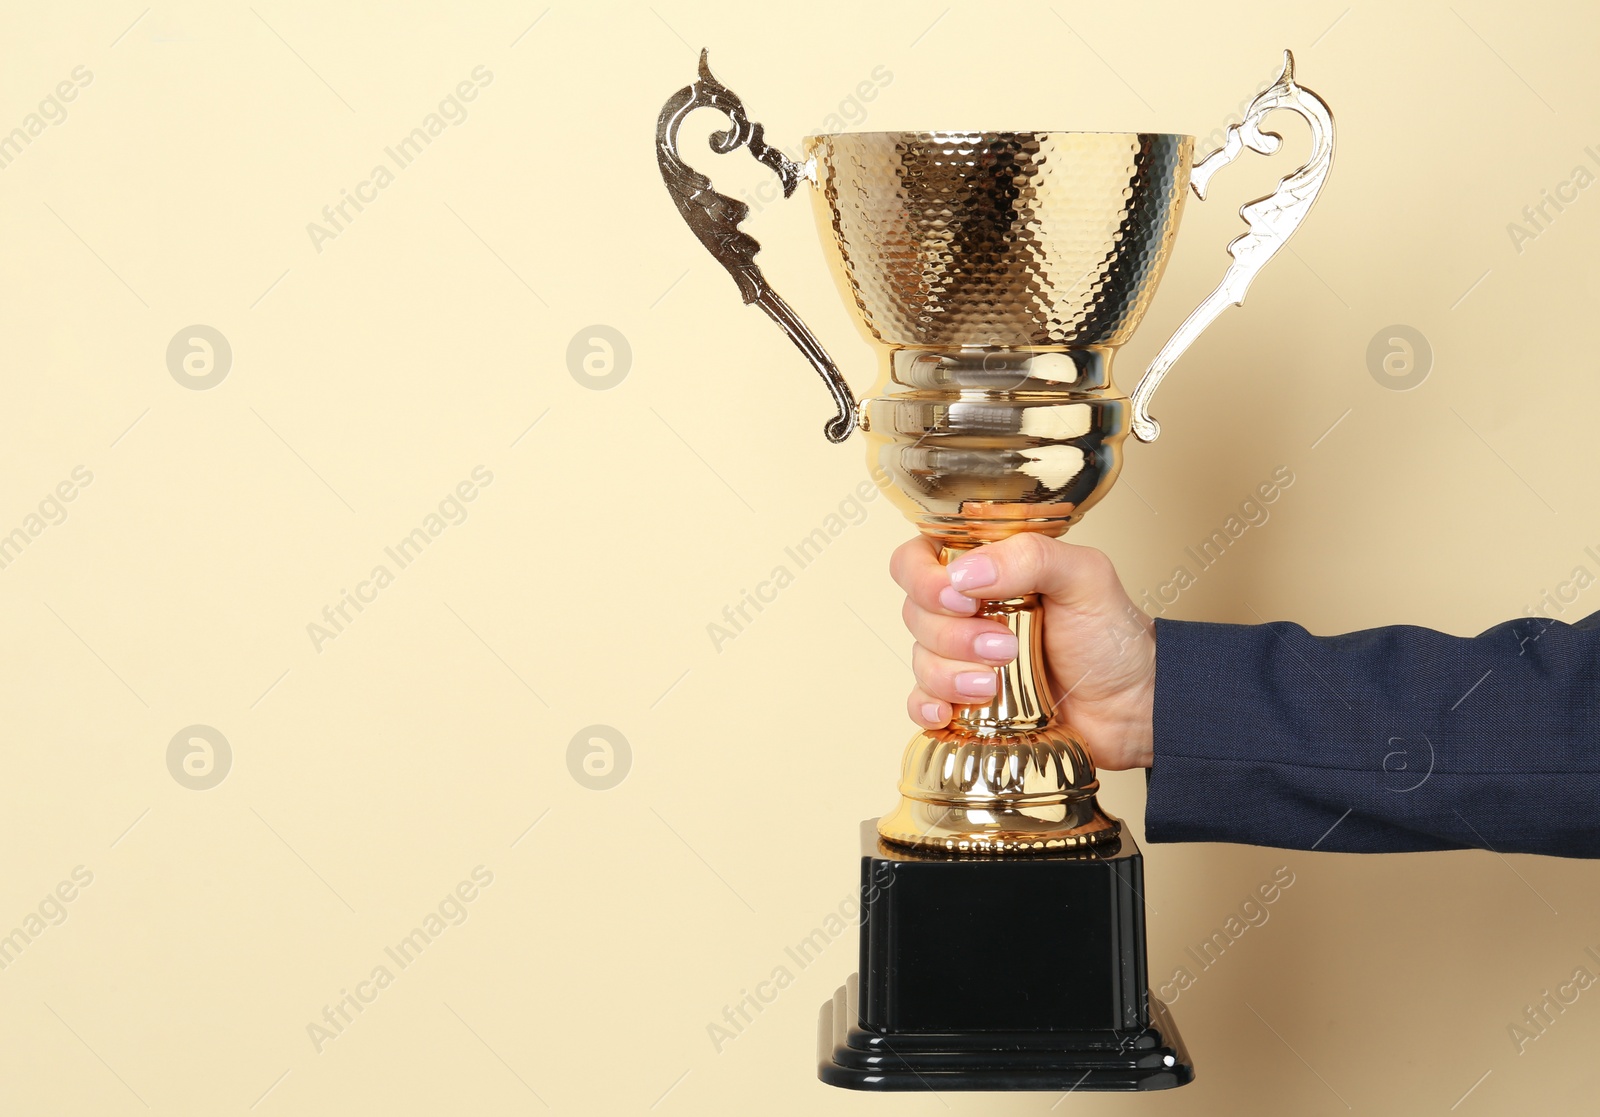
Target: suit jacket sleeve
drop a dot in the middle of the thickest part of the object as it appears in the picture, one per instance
(1389, 740)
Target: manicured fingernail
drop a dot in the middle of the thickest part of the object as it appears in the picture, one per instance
(956, 602)
(932, 714)
(998, 646)
(973, 572)
(975, 684)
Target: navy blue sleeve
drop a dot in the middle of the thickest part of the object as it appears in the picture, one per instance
(1384, 741)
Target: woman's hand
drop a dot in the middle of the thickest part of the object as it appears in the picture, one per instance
(1099, 646)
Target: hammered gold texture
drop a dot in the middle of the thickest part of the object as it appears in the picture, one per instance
(949, 239)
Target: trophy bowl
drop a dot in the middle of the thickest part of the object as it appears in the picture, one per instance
(998, 272)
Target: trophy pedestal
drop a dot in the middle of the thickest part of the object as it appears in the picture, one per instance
(1000, 973)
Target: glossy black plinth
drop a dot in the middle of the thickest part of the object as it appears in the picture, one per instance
(1000, 973)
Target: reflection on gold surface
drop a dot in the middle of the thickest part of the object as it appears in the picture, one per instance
(1004, 777)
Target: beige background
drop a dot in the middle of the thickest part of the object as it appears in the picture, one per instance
(371, 776)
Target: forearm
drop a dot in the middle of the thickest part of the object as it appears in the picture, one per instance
(1388, 740)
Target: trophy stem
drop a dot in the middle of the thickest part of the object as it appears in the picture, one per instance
(1023, 698)
(1007, 775)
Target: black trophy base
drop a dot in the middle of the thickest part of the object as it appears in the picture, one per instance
(1000, 973)
(850, 1056)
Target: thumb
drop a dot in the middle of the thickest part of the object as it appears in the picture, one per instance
(1076, 577)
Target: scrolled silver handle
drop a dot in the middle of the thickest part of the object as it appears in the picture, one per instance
(1272, 219)
(715, 219)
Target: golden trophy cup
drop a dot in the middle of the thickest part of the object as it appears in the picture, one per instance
(998, 273)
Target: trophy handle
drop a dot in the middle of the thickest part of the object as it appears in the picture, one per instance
(1272, 220)
(715, 220)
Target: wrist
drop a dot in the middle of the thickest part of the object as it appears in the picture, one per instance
(1141, 712)
(1142, 733)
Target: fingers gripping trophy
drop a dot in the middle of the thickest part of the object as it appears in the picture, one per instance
(998, 273)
